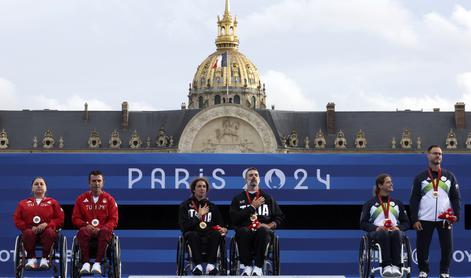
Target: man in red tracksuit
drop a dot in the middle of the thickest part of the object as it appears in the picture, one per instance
(96, 215)
(38, 218)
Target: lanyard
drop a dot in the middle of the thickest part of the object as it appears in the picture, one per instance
(384, 206)
(435, 182)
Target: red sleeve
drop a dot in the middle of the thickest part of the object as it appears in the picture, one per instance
(77, 217)
(18, 219)
(57, 221)
(112, 222)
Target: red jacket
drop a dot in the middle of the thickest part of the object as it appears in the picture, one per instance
(48, 210)
(105, 210)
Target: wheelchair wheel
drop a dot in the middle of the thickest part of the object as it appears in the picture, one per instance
(407, 256)
(181, 256)
(116, 257)
(222, 258)
(276, 256)
(62, 253)
(20, 257)
(75, 259)
(364, 261)
(234, 263)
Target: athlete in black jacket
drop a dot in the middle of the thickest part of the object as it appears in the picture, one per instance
(254, 215)
(385, 218)
(200, 220)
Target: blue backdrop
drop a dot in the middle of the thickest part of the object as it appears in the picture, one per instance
(291, 179)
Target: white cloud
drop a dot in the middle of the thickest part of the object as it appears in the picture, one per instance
(462, 17)
(284, 93)
(139, 106)
(8, 99)
(383, 18)
(74, 102)
(464, 82)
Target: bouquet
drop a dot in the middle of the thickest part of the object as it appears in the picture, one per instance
(448, 217)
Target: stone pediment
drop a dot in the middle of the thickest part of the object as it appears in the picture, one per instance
(227, 128)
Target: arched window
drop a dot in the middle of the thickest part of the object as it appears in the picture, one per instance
(217, 99)
(230, 100)
(200, 102)
(254, 102)
(237, 99)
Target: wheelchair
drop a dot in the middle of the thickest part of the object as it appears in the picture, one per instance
(184, 257)
(57, 257)
(370, 259)
(271, 265)
(111, 265)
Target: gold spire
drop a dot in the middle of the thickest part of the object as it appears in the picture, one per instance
(227, 31)
(226, 10)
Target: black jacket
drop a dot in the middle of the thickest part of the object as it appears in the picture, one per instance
(241, 210)
(397, 213)
(188, 219)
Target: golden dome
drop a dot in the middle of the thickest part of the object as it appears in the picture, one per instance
(227, 75)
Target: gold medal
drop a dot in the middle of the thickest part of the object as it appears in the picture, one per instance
(203, 225)
(435, 194)
(253, 217)
(36, 219)
(95, 222)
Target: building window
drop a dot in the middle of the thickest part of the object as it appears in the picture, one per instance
(217, 99)
(200, 102)
(254, 102)
(237, 99)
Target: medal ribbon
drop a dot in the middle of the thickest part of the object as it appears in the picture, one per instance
(437, 181)
(195, 206)
(248, 196)
(385, 207)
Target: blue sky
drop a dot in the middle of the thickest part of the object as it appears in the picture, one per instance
(360, 54)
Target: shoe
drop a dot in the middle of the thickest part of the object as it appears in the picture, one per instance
(96, 268)
(247, 271)
(85, 269)
(387, 271)
(198, 270)
(396, 271)
(44, 263)
(444, 275)
(257, 271)
(423, 274)
(30, 264)
(211, 270)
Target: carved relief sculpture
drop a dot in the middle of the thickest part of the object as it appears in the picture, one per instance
(115, 141)
(3, 140)
(48, 140)
(451, 141)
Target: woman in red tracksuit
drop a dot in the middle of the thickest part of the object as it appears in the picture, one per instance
(38, 218)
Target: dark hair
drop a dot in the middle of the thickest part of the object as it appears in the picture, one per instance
(433, 146)
(39, 177)
(250, 169)
(94, 173)
(195, 181)
(379, 181)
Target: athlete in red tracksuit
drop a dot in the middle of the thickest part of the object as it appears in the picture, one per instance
(96, 215)
(38, 218)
